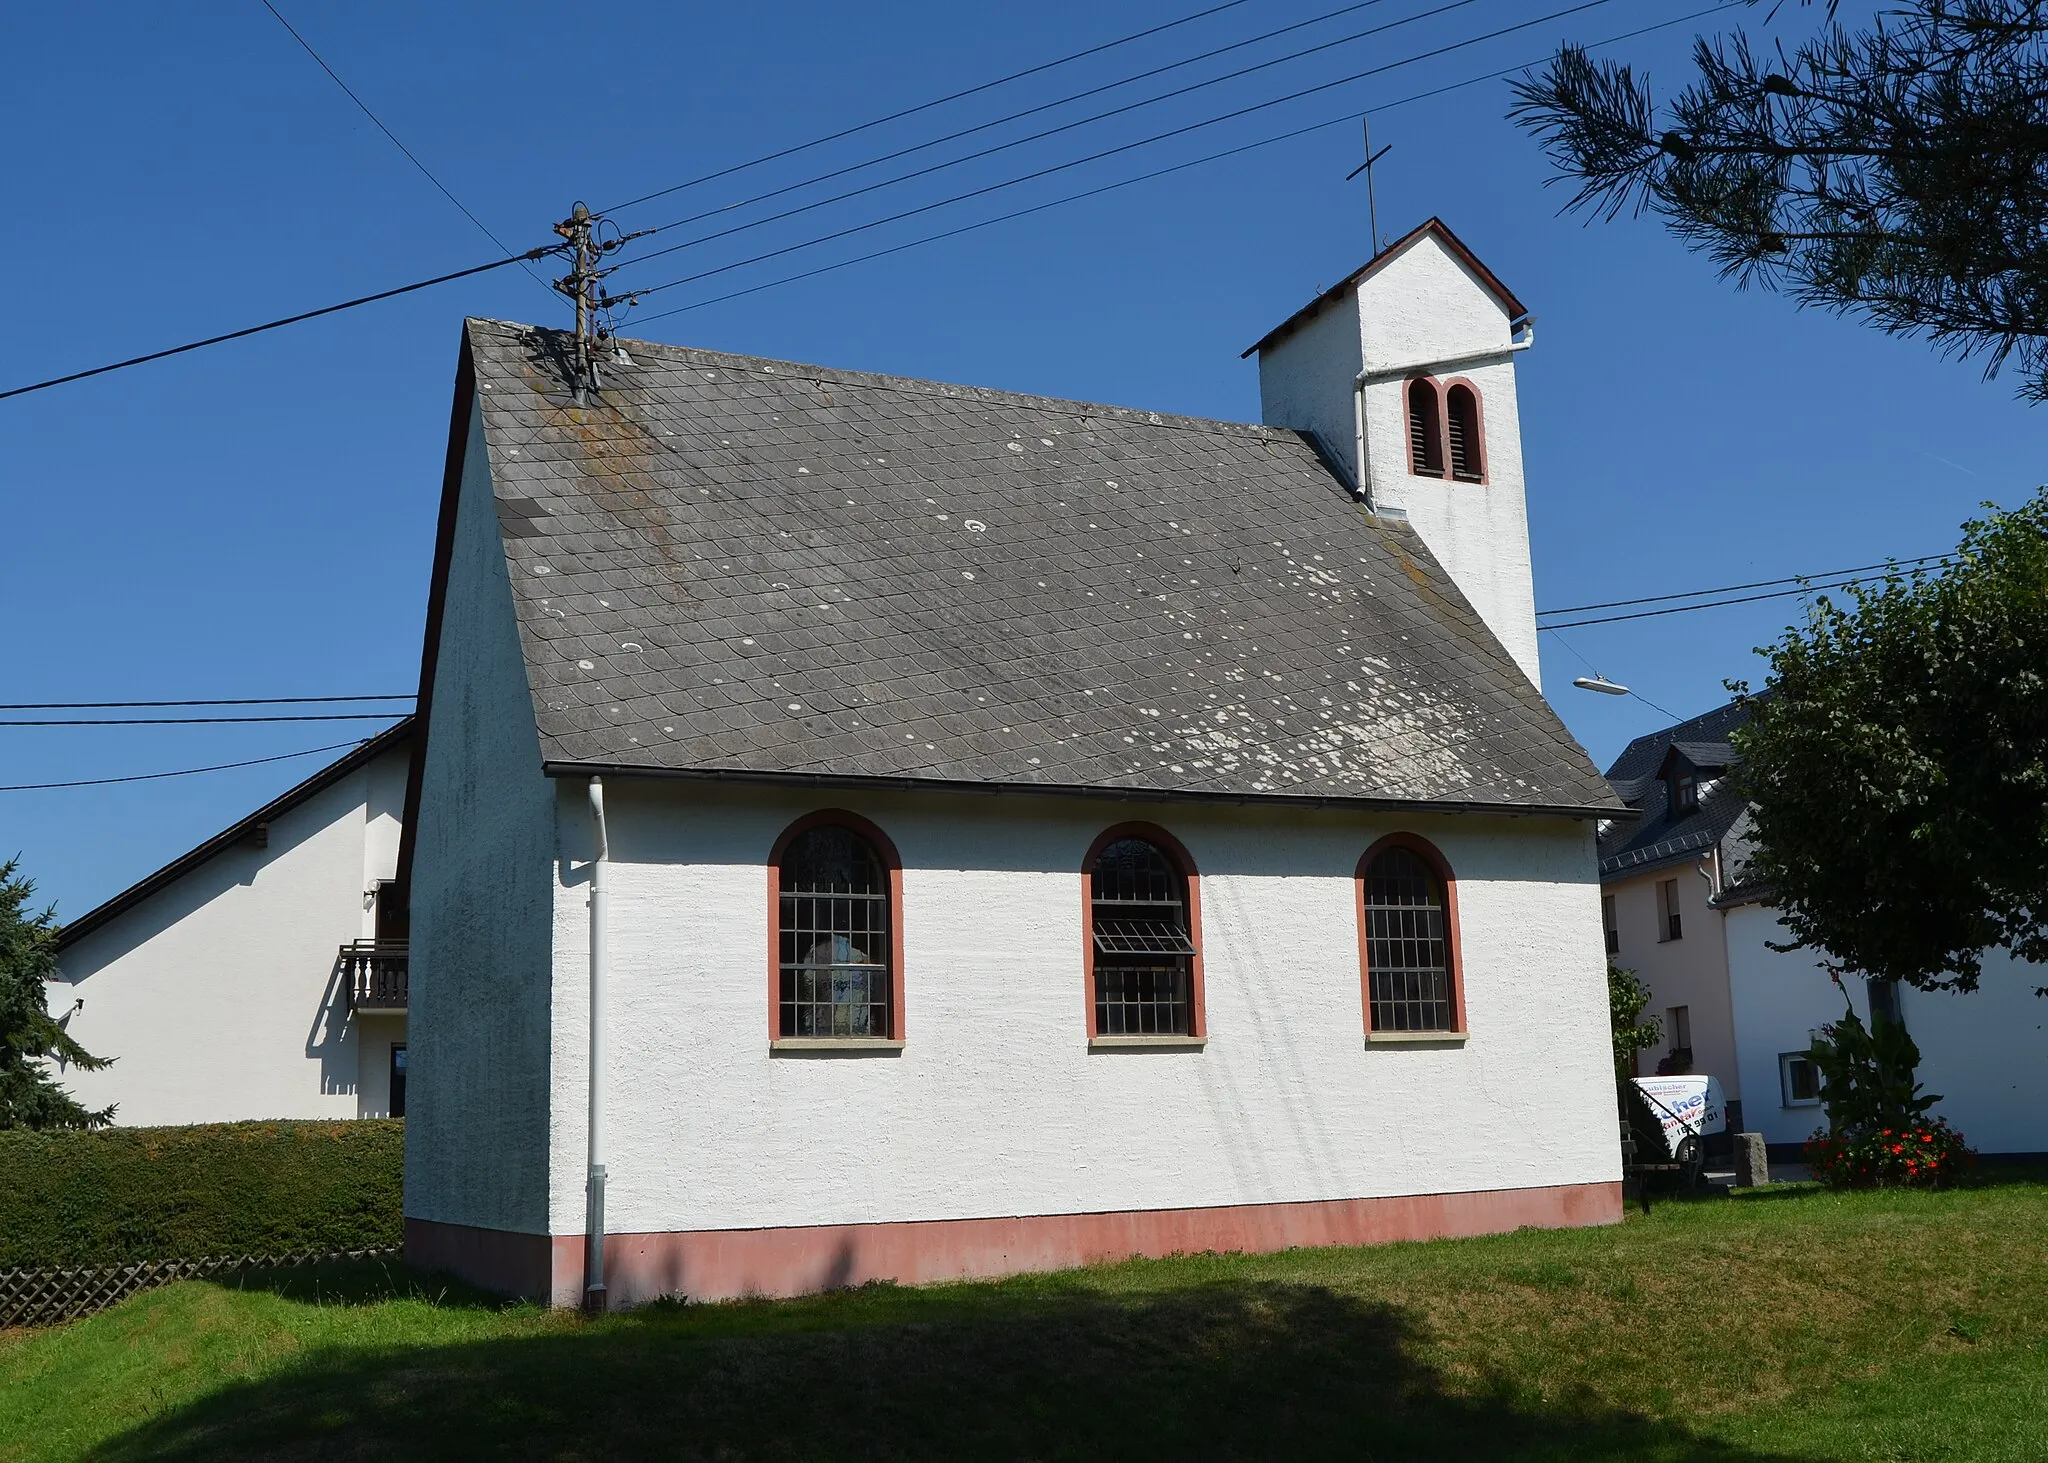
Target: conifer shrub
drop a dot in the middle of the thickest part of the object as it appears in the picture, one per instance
(120, 1194)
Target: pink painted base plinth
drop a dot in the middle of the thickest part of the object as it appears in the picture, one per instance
(721, 1264)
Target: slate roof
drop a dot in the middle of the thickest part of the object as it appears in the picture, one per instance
(733, 566)
(1658, 839)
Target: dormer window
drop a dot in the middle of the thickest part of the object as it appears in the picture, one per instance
(1685, 791)
(1425, 429)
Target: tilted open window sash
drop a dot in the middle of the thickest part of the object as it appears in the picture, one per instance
(1141, 937)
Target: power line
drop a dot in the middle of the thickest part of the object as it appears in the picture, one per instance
(181, 772)
(411, 157)
(217, 701)
(207, 720)
(770, 157)
(1616, 604)
(1712, 604)
(1450, 5)
(1046, 107)
(179, 350)
(1348, 119)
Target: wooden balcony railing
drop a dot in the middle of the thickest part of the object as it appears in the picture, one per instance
(376, 972)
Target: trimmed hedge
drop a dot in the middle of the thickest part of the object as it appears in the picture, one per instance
(122, 1194)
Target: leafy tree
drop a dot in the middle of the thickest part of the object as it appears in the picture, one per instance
(1897, 172)
(1897, 762)
(1626, 998)
(29, 1037)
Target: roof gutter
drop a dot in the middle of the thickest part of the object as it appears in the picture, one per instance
(1114, 794)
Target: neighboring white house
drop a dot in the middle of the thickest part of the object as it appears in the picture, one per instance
(1680, 913)
(261, 975)
(1030, 831)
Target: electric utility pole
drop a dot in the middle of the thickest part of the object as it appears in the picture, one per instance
(580, 284)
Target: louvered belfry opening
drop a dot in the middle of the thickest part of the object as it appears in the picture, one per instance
(1407, 944)
(1144, 954)
(1461, 426)
(834, 937)
(1425, 430)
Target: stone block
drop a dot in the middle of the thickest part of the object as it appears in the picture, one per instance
(1752, 1161)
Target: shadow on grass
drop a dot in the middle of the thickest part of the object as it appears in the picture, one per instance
(1227, 1370)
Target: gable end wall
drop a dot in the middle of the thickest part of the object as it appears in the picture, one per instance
(482, 905)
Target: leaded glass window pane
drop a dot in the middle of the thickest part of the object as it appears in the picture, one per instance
(1407, 950)
(834, 936)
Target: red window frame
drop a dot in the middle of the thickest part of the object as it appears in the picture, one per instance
(892, 864)
(1453, 934)
(1176, 854)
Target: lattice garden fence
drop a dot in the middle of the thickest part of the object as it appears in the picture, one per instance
(45, 1297)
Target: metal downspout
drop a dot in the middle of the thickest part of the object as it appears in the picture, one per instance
(600, 961)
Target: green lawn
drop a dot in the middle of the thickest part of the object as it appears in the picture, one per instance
(1792, 1324)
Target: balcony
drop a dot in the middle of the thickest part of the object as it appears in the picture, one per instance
(376, 975)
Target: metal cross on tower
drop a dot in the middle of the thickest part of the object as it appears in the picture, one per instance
(1372, 209)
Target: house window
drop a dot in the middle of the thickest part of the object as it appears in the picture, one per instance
(1144, 960)
(1461, 427)
(1677, 1026)
(396, 1101)
(1425, 429)
(1407, 916)
(838, 972)
(1799, 1079)
(1608, 924)
(1669, 925)
(1685, 792)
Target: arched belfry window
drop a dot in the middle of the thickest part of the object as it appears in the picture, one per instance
(1462, 431)
(837, 906)
(1408, 939)
(1425, 429)
(1143, 934)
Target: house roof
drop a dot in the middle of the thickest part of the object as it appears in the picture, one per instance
(728, 566)
(387, 740)
(1350, 282)
(1659, 838)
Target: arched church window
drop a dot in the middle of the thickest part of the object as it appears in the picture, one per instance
(1407, 935)
(1144, 962)
(837, 963)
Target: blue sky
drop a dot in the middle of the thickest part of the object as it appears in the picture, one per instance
(256, 519)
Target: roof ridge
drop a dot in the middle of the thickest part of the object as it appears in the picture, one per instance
(884, 381)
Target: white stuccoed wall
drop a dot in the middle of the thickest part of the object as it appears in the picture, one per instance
(477, 1083)
(1986, 1053)
(217, 994)
(996, 1107)
(1419, 306)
